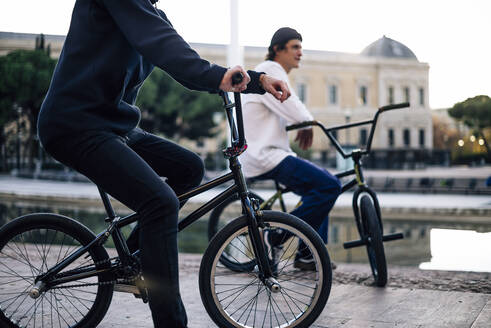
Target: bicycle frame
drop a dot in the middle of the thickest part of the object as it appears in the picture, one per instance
(239, 186)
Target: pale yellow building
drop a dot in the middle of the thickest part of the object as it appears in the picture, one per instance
(336, 87)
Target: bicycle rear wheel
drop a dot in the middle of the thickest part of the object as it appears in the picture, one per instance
(375, 245)
(30, 246)
(221, 216)
(242, 299)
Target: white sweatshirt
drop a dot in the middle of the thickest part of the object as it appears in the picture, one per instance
(265, 119)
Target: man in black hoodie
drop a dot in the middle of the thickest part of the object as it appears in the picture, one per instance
(88, 121)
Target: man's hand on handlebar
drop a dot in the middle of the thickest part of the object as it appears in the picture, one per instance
(305, 138)
(227, 85)
(279, 89)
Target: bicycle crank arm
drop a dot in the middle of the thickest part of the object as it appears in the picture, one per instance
(393, 236)
(354, 243)
(358, 243)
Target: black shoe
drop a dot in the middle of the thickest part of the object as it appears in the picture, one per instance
(304, 262)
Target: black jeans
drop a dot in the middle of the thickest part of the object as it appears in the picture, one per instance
(130, 169)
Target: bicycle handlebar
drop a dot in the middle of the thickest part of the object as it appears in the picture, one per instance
(393, 106)
(301, 125)
(339, 148)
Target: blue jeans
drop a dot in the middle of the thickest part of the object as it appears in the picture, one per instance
(129, 169)
(318, 188)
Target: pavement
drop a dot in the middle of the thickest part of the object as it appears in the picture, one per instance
(352, 304)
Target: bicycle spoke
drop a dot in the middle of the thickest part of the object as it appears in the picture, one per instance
(15, 273)
(69, 301)
(236, 296)
(233, 289)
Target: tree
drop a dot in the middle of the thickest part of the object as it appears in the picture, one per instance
(169, 108)
(476, 114)
(24, 80)
(444, 137)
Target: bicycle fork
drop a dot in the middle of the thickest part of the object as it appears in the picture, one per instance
(264, 265)
(264, 268)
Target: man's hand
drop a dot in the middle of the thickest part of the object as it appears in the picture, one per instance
(279, 89)
(305, 138)
(226, 84)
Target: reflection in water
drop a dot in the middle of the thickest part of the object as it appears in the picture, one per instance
(459, 250)
(450, 249)
(192, 240)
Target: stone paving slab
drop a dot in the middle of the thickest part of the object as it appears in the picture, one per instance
(350, 305)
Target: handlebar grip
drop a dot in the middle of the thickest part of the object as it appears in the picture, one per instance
(394, 106)
(300, 125)
(237, 78)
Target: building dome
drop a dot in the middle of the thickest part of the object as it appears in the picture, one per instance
(386, 47)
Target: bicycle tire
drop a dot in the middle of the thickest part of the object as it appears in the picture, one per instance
(375, 245)
(225, 293)
(219, 217)
(31, 244)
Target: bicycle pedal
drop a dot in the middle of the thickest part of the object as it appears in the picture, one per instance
(124, 288)
(140, 284)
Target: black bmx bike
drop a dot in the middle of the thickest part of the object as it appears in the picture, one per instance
(366, 207)
(55, 272)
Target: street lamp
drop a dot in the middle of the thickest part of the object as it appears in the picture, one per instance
(461, 143)
(347, 116)
(18, 111)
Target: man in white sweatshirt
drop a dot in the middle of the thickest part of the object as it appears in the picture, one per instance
(269, 155)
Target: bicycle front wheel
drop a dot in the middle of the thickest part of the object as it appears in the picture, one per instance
(219, 217)
(375, 245)
(30, 246)
(244, 299)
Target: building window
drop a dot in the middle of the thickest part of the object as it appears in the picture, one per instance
(333, 94)
(334, 234)
(422, 96)
(407, 95)
(421, 138)
(334, 134)
(391, 138)
(390, 95)
(302, 91)
(363, 95)
(363, 137)
(407, 137)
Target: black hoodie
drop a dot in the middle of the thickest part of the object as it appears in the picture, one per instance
(110, 49)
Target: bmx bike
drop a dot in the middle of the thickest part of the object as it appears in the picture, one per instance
(366, 207)
(55, 272)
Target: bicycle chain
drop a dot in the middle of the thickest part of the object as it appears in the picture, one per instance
(101, 283)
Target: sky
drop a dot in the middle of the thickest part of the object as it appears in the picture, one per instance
(452, 36)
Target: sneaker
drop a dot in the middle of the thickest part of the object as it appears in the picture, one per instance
(274, 248)
(304, 262)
